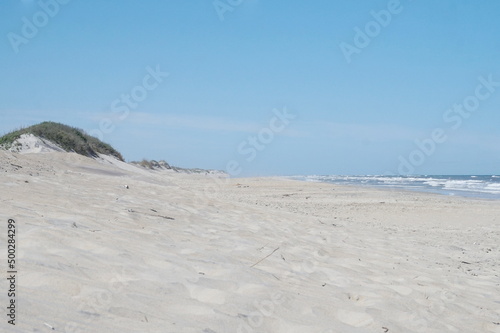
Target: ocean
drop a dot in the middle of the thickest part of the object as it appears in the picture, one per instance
(477, 186)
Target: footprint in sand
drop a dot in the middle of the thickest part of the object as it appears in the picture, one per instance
(207, 295)
(402, 290)
(356, 319)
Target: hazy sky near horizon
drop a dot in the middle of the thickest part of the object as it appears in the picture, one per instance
(263, 87)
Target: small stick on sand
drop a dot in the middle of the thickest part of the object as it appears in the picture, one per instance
(276, 249)
(49, 326)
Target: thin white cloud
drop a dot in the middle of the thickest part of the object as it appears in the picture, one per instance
(372, 132)
(194, 122)
(479, 140)
(198, 122)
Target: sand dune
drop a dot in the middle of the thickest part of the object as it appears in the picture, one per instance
(190, 253)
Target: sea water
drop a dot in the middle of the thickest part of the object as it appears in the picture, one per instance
(479, 186)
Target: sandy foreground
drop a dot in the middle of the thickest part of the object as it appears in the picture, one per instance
(187, 253)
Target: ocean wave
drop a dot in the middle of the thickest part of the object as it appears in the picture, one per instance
(466, 185)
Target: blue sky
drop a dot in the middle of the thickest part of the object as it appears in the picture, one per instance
(353, 113)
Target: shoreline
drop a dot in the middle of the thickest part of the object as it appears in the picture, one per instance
(375, 188)
(444, 192)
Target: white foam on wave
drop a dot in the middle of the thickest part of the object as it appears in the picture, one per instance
(449, 185)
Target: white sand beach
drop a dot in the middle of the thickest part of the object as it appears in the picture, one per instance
(180, 252)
